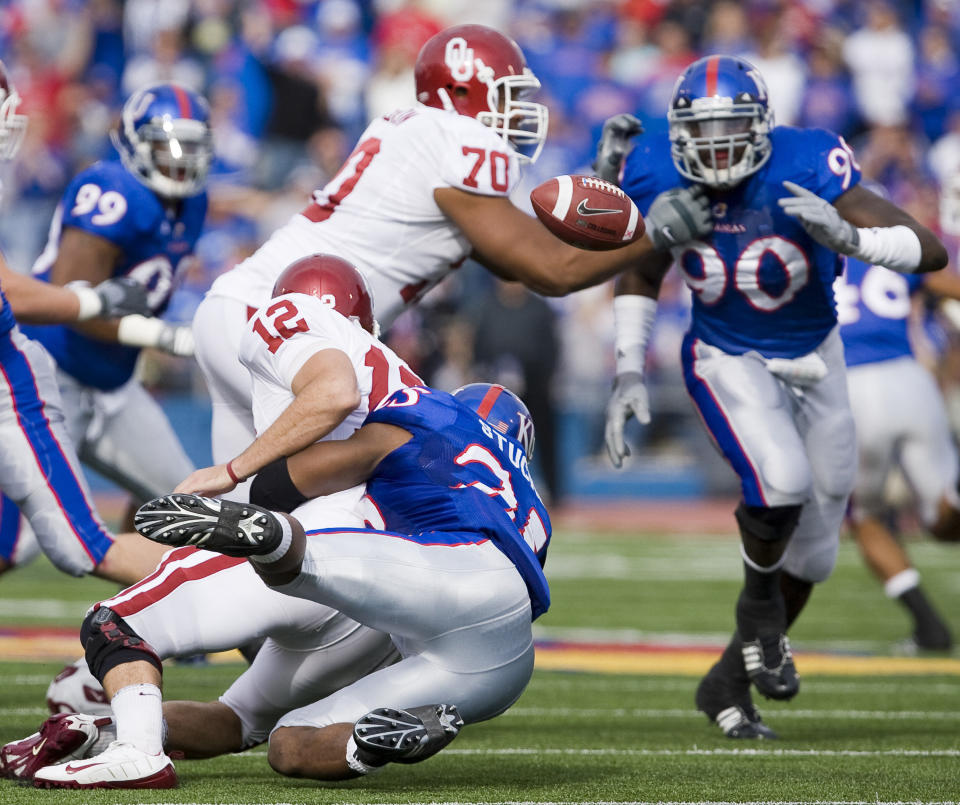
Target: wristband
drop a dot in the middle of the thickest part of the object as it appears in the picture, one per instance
(633, 317)
(232, 474)
(894, 247)
(90, 302)
(273, 489)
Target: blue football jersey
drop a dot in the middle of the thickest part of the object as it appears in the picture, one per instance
(759, 282)
(460, 480)
(154, 236)
(7, 321)
(873, 304)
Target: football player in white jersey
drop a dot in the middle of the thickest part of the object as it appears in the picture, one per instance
(315, 374)
(425, 188)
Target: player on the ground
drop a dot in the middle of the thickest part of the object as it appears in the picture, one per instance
(39, 471)
(425, 188)
(763, 360)
(901, 421)
(138, 218)
(317, 370)
(452, 569)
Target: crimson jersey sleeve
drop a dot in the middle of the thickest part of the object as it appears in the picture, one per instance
(475, 159)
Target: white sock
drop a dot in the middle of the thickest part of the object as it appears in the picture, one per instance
(284, 546)
(138, 713)
(905, 580)
(354, 762)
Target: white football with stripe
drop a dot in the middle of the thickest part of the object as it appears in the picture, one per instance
(587, 212)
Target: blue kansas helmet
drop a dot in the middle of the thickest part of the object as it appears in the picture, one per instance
(164, 139)
(720, 121)
(503, 409)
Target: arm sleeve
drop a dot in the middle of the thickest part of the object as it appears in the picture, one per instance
(476, 160)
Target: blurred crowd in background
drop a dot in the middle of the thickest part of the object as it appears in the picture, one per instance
(292, 84)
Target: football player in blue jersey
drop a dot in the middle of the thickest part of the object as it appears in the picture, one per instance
(909, 430)
(452, 569)
(137, 217)
(38, 466)
(763, 361)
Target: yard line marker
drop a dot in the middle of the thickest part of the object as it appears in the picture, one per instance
(624, 712)
(694, 752)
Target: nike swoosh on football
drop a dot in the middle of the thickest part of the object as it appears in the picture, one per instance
(73, 769)
(38, 747)
(583, 209)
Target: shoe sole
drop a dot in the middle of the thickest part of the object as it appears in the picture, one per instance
(225, 526)
(407, 736)
(165, 778)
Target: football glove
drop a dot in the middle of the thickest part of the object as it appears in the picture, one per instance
(614, 145)
(678, 216)
(629, 398)
(802, 372)
(820, 219)
(111, 299)
(142, 331)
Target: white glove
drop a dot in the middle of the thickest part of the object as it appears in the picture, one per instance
(820, 219)
(141, 331)
(678, 216)
(629, 397)
(614, 145)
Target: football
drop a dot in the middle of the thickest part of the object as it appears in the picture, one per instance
(587, 212)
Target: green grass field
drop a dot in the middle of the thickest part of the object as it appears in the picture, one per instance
(869, 737)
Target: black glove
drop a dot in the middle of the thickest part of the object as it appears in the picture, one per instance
(121, 296)
(614, 145)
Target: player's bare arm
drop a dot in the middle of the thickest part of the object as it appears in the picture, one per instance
(86, 257)
(325, 392)
(36, 302)
(515, 246)
(328, 467)
(861, 224)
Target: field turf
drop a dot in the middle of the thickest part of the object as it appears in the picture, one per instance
(644, 616)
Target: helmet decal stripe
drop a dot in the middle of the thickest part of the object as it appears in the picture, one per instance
(488, 400)
(713, 68)
(183, 101)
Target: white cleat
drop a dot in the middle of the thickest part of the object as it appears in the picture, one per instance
(119, 766)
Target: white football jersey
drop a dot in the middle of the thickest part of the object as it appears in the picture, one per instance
(284, 334)
(379, 212)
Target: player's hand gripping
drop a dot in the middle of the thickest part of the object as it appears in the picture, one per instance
(820, 219)
(208, 481)
(144, 331)
(678, 216)
(629, 398)
(614, 145)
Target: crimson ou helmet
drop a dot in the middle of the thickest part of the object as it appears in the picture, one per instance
(335, 282)
(720, 121)
(503, 409)
(476, 71)
(12, 125)
(164, 139)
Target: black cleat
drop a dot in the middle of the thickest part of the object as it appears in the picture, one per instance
(769, 664)
(386, 735)
(733, 713)
(234, 529)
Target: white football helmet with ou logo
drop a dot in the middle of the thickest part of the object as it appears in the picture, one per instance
(12, 125)
(335, 282)
(476, 71)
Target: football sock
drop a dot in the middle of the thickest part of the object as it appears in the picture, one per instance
(280, 551)
(138, 714)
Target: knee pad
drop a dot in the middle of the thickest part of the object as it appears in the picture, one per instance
(109, 641)
(768, 523)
